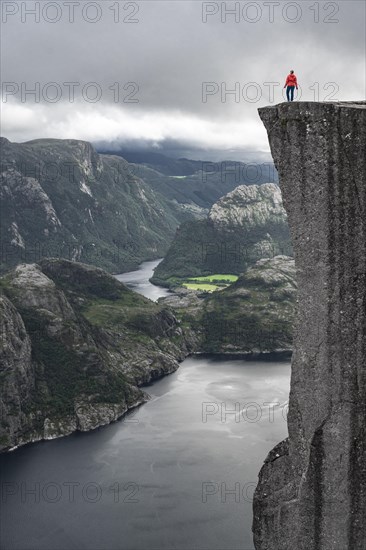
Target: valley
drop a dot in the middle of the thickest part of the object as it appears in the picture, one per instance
(158, 464)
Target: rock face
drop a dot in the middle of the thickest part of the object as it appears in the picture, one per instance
(249, 207)
(312, 489)
(16, 372)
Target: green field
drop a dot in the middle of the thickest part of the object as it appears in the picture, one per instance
(216, 278)
(210, 283)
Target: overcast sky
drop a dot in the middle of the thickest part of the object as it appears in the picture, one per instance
(170, 62)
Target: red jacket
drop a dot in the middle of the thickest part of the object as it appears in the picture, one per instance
(291, 80)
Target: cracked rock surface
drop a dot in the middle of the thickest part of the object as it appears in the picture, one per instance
(311, 493)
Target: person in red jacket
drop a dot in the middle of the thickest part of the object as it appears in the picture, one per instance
(291, 82)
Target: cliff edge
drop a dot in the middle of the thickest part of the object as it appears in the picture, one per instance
(311, 493)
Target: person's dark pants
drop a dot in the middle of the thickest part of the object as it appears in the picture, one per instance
(290, 93)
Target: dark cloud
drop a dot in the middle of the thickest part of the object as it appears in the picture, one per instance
(168, 56)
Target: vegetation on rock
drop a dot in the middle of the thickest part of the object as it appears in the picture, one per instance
(76, 344)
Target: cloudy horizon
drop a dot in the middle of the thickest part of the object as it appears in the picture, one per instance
(179, 76)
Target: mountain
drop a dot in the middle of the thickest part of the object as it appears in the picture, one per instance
(59, 198)
(245, 225)
(159, 162)
(76, 346)
(185, 167)
(200, 183)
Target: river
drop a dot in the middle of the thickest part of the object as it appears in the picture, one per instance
(139, 281)
(178, 473)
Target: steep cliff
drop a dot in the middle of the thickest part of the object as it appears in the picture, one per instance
(312, 488)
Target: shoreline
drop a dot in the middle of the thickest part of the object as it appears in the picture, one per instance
(248, 355)
(40, 439)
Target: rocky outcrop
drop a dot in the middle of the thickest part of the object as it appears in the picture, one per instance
(249, 206)
(182, 298)
(76, 345)
(247, 224)
(312, 489)
(255, 314)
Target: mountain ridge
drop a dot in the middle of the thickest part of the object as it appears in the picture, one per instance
(68, 200)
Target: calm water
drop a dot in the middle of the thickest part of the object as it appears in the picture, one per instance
(178, 473)
(139, 281)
